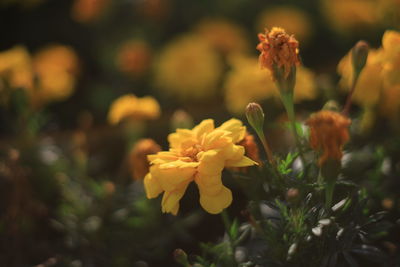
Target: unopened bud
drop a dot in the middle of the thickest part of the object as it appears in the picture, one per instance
(359, 55)
(331, 105)
(255, 116)
(181, 257)
(181, 119)
(292, 195)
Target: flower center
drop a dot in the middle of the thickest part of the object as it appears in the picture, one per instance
(192, 151)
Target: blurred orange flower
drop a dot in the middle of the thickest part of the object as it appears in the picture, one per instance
(328, 133)
(134, 57)
(88, 10)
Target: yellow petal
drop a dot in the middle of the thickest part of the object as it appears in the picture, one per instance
(209, 184)
(236, 129)
(170, 201)
(210, 162)
(151, 186)
(205, 126)
(216, 139)
(215, 204)
(244, 162)
(175, 139)
(170, 178)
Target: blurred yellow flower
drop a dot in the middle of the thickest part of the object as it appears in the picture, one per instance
(224, 35)
(391, 58)
(88, 10)
(189, 68)
(56, 68)
(246, 83)
(347, 16)
(328, 133)
(197, 155)
(16, 68)
(369, 85)
(379, 81)
(134, 57)
(290, 18)
(131, 107)
(306, 86)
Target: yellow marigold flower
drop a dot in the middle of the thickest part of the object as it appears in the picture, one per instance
(138, 162)
(224, 35)
(197, 155)
(16, 68)
(391, 58)
(306, 86)
(134, 57)
(56, 67)
(131, 107)
(290, 18)
(328, 133)
(347, 16)
(246, 83)
(278, 49)
(390, 103)
(189, 68)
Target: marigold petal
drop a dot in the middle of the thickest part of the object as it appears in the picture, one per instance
(170, 200)
(216, 203)
(244, 162)
(216, 139)
(151, 186)
(236, 129)
(175, 139)
(210, 162)
(170, 178)
(205, 126)
(232, 152)
(209, 184)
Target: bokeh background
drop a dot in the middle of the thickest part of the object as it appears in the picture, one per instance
(69, 194)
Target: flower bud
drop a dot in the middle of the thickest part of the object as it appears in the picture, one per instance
(138, 162)
(292, 195)
(181, 119)
(255, 116)
(359, 55)
(181, 257)
(331, 105)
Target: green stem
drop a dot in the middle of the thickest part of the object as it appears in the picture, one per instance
(287, 100)
(228, 225)
(330, 186)
(266, 147)
(349, 99)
